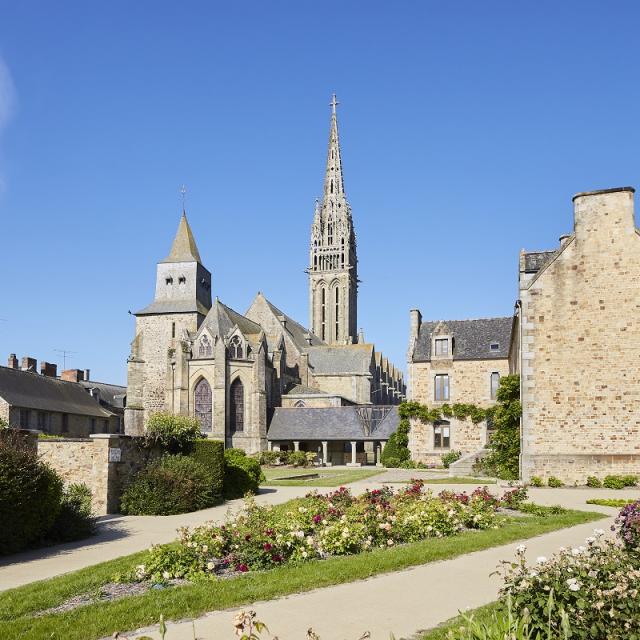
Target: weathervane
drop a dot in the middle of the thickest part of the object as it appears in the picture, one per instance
(183, 191)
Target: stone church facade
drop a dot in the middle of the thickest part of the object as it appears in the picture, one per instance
(196, 356)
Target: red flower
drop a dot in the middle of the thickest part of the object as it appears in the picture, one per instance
(267, 546)
(276, 557)
(317, 518)
(242, 567)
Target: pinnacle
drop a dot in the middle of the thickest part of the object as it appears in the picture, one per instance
(184, 247)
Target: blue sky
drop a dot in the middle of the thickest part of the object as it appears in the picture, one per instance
(466, 127)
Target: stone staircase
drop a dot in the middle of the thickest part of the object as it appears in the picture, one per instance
(464, 466)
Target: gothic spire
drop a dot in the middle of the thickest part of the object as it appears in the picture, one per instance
(184, 247)
(333, 181)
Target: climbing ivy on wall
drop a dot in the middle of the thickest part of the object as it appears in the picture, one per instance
(396, 452)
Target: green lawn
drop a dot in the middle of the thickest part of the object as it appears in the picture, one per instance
(17, 606)
(328, 477)
(611, 502)
(441, 632)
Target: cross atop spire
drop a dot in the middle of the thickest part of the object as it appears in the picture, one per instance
(333, 104)
(183, 193)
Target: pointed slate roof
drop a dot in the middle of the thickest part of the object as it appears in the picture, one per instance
(184, 247)
(221, 319)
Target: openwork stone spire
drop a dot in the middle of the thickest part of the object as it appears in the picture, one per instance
(333, 279)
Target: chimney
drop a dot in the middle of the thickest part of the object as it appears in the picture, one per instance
(416, 321)
(606, 214)
(87, 372)
(29, 364)
(72, 375)
(48, 369)
(564, 238)
(12, 362)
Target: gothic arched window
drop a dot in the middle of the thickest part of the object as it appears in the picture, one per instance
(235, 348)
(330, 233)
(203, 404)
(236, 406)
(204, 351)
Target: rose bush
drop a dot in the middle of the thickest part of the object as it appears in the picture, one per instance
(597, 584)
(318, 526)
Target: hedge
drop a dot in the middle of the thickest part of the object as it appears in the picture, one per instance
(210, 453)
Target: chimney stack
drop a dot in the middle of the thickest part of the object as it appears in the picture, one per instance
(29, 364)
(12, 362)
(416, 321)
(73, 375)
(48, 369)
(608, 212)
(87, 372)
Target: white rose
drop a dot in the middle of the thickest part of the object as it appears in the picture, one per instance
(541, 559)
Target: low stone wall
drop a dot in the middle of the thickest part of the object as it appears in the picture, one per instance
(106, 463)
(575, 468)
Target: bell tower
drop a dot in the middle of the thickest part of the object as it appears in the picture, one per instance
(333, 263)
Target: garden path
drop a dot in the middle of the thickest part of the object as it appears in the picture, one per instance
(403, 602)
(118, 536)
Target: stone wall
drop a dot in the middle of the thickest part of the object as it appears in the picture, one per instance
(354, 387)
(580, 347)
(105, 463)
(469, 383)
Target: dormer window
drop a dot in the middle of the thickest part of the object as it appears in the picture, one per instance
(441, 346)
(494, 346)
(169, 280)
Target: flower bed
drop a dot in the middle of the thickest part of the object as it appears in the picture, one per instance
(595, 587)
(320, 526)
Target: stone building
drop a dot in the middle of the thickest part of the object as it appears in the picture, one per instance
(199, 357)
(69, 405)
(576, 343)
(449, 362)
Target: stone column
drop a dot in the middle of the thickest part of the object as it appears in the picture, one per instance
(325, 454)
(296, 445)
(275, 446)
(353, 462)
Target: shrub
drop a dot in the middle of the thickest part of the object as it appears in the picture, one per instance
(210, 454)
(628, 522)
(297, 458)
(619, 482)
(173, 484)
(554, 482)
(450, 457)
(242, 474)
(271, 458)
(30, 495)
(395, 452)
(174, 433)
(536, 481)
(513, 498)
(75, 519)
(610, 502)
(593, 482)
(595, 584)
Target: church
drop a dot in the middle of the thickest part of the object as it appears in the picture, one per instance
(261, 379)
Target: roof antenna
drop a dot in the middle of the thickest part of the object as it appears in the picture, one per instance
(65, 354)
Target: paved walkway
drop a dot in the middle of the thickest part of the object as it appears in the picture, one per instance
(118, 536)
(403, 602)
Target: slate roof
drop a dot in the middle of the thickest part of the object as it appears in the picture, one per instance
(301, 389)
(221, 319)
(471, 338)
(110, 394)
(535, 260)
(43, 393)
(296, 330)
(352, 358)
(173, 306)
(329, 423)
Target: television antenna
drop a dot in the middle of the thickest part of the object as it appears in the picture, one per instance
(65, 354)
